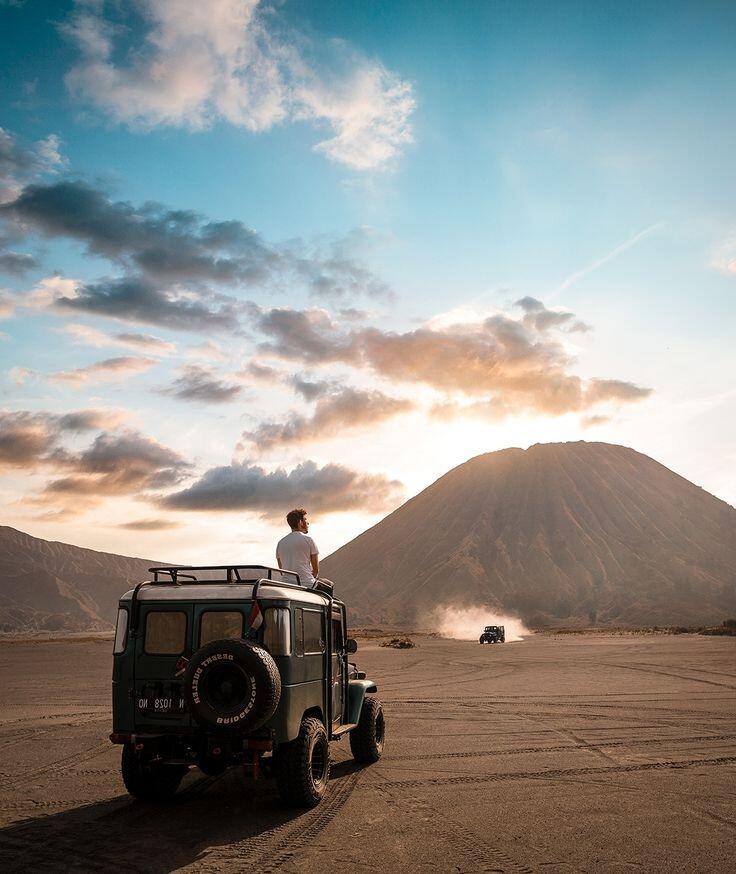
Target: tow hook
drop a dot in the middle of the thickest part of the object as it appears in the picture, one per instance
(180, 666)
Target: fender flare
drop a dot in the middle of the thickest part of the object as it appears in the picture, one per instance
(357, 690)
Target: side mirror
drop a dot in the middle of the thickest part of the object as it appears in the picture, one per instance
(351, 645)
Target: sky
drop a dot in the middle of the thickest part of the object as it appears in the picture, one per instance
(262, 256)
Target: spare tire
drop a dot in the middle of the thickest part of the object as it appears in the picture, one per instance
(232, 686)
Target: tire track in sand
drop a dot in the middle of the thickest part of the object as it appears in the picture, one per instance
(556, 773)
(474, 754)
(270, 850)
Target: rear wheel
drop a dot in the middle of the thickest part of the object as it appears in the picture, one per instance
(303, 766)
(149, 781)
(366, 739)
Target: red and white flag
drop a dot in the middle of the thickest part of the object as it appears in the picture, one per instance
(256, 617)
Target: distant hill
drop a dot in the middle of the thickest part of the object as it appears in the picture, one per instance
(558, 534)
(49, 586)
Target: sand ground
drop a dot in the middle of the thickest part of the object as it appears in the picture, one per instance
(570, 753)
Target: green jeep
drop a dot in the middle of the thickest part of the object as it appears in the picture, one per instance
(236, 665)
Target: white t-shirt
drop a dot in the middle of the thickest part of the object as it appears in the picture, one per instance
(294, 551)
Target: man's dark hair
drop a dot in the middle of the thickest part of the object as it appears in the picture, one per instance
(294, 517)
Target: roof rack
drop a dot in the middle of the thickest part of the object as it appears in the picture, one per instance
(233, 575)
(174, 573)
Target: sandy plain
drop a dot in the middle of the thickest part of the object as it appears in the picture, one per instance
(558, 753)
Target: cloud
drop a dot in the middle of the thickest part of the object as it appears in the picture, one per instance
(24, 438)
(16, 263)
(260, 373)
(170, 258)
(132, 458)
(725, 256)
(538, 317)
(334, 414)
(134, 299)
(600, 390)
(149, 525)
(128, 463)
(116, 462)
(7, 306)
(327, 489)
(29, 439)
(104, 371)
(201, 384)
(594, 421)
(226, 60)
(520, 365)
(20, 164)
(308, 335)
(208, 350)
(310, 389)
(91, 420)
(85, 335)
(145, 343)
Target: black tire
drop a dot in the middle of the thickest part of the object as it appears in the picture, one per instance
(366, 739)
(232, 686)
(149, 781)
(303, 766)
(481, 640)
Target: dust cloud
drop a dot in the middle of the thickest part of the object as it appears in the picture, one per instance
(467, 623)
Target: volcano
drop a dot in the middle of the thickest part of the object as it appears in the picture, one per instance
(560, 534)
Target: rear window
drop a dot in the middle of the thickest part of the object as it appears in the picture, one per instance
(277, 631)
(166, 632)
(121, 631)
(314, 639)
(220, 624)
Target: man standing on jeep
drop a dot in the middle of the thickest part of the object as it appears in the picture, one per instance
(297, 551)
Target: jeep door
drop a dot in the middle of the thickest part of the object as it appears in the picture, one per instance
(338, 668)
(165, 636)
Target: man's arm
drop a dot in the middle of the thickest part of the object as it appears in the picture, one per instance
(314, 558)
(279, 561)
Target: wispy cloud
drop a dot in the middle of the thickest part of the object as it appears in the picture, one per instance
(230, 60)
(202, 385)
(103, 371)
(86, 335)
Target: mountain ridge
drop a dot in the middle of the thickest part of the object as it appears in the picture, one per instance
(48, 585)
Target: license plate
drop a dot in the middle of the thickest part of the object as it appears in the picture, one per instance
(155, 705)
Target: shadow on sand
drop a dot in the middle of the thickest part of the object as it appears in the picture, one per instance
(123, 834)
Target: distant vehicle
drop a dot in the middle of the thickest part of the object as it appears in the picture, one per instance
(237, 665)
(493, 634)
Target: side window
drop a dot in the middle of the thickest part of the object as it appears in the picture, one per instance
(299, 631)
(337, 638)
(314, 639)
(277, 631)
(121, 631)
(219, 624)
(166, 632)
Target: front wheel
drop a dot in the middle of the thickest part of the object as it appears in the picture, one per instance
(149, 781)
(366, 739)
(303, 766)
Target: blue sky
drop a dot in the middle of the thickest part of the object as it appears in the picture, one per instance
(498, 224)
